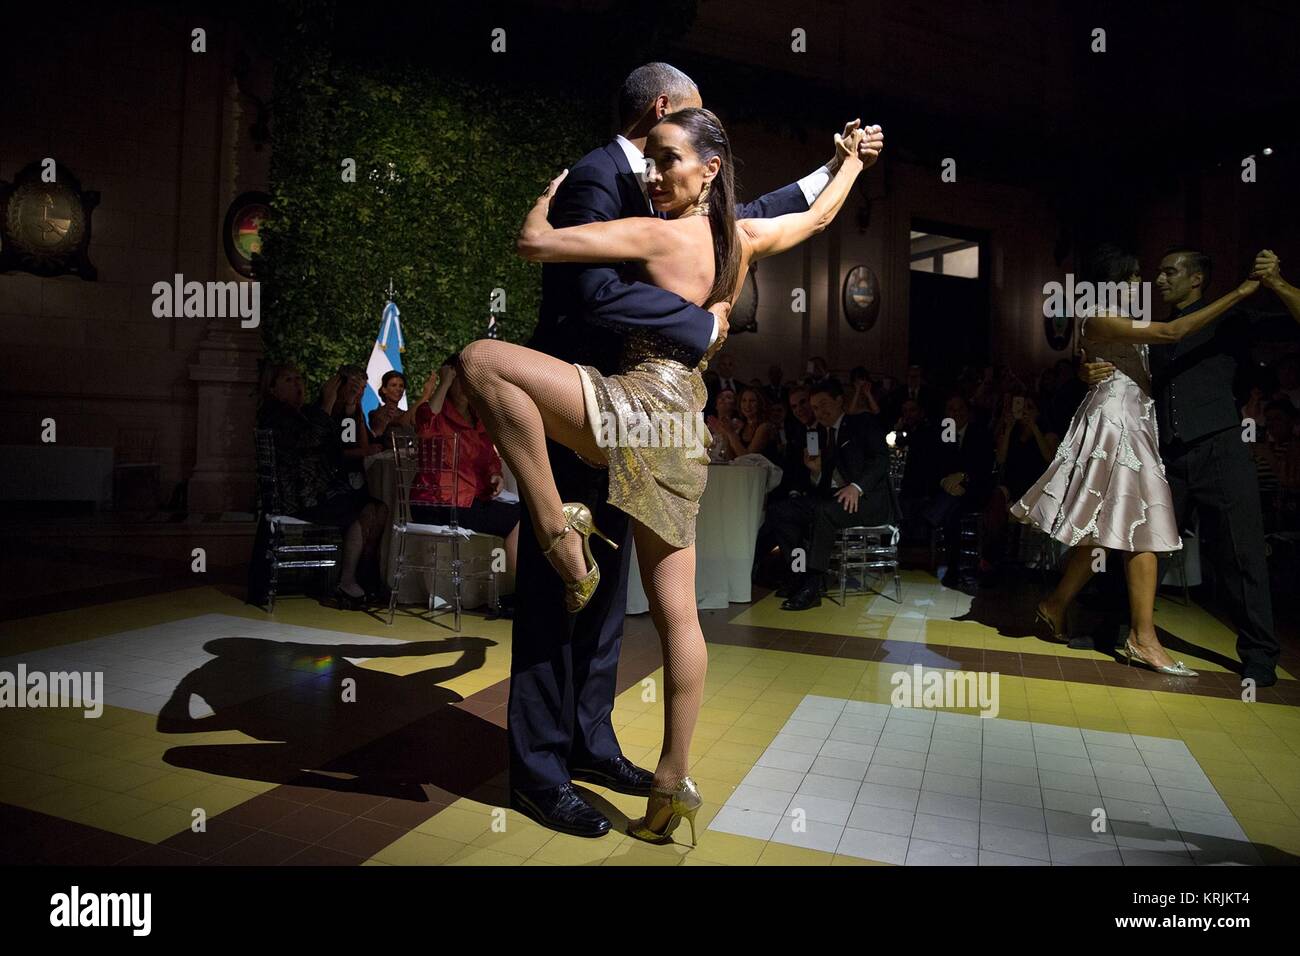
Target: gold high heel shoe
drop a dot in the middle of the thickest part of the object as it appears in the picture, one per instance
(684, 801)
(1177, 668)
(577, 517)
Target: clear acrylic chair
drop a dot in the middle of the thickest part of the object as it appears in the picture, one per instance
(866, 548)
(432, 463)
(284, 541)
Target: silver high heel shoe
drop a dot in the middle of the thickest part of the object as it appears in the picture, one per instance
(1176, 669)
(1048, 626)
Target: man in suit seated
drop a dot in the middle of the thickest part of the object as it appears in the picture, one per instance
(850, 481)
(963, 459)
(791, 443)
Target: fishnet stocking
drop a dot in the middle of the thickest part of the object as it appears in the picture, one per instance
(668, 575)
(524, 396)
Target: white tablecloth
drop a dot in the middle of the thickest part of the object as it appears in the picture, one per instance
(725, 534)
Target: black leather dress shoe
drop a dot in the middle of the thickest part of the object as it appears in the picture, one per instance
(617, 774)
(1262, 674)
(808, 595)
(560, 808)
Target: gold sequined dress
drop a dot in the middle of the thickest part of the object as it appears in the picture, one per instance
(649, 419)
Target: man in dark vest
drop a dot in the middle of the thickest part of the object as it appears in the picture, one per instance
(1209, 467)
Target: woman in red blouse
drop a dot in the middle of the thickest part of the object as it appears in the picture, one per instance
(478, 467)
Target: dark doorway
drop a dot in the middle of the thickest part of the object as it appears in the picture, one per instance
(948, 321)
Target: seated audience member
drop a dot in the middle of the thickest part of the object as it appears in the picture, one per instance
(389, 413)
(723, 418)
(1277, 460)
(818, 373)
(791, 443)
(1023, 450)
(919, 439)
(850, 480)
(754, 436)
(861, 393)
(964, 459)
(774, 390)
(478, 467)
(914, 388)
(725, 367)
(313, 483)
(1288, 379)
(358, 443)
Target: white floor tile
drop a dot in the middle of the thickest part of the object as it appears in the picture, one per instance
(1070, 852)
(869, 845)
(746, 797)
(797, 744)
(951, 783)
(750, 823)
(989, 858)
(785, 760)
(773, 779)
(835, 788)
(888, 757)
(882, 795)
(811, 835)
(844, 750)
(948, 805)
(1014, 841)
(821, 809)
(946, 830)
(927, 853)
(1011, 793)
(893, 776)
(881, 820)
(1012, 815)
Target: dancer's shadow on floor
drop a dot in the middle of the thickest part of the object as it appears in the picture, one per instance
(1094, 618)
(331, 723)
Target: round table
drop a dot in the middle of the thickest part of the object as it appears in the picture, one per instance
(726, 531)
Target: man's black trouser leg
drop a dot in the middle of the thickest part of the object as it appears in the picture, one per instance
(1223, 482)
(563, 667)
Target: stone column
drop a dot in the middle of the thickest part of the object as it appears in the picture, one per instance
(225, 375)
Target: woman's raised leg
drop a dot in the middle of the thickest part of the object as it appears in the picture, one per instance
(668, 575)
(524, 397)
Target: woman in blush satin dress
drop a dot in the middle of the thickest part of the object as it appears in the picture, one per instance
(1106, 487)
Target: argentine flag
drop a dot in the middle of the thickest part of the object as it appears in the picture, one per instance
(386, 356)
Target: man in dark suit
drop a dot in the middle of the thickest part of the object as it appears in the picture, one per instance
(913, 389)
(791, 443)
(851, 486)
(563, 667)
(1209, 467)
(963, 457)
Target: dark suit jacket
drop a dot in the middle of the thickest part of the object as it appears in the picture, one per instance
(586, 308)
(975, 456)
(862, 458)
(794, 473)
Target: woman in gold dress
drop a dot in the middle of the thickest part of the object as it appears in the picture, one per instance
(702, 253)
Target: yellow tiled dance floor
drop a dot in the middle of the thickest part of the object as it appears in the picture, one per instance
(800, 756)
